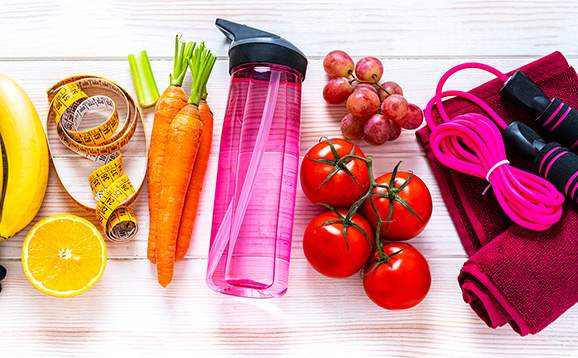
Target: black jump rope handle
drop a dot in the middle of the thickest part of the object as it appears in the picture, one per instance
(557, 118)
(552, 161)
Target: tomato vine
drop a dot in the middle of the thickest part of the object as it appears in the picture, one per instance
(391, 194)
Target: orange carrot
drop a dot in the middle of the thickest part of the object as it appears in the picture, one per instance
(169, 104)
(196, 184)
(180, 154)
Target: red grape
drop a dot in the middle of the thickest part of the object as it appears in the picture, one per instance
(337, 90)
(412, 119)
(367, 86)
(352, 126)
(362, 103)
(390, 88)
(394, 107)
(369, 69)
(338, 64)
(394, 130)
(376, 130)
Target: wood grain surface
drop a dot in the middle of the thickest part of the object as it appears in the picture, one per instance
(129, 314)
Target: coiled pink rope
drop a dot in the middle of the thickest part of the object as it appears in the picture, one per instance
(472, 144)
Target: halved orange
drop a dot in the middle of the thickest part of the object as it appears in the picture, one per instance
(63, 255)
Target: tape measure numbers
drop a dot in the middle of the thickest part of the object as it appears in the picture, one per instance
(111, 188)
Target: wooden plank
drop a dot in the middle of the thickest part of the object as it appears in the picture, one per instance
(447, 28)
(129, 311)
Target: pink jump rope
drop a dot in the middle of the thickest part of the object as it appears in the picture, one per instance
(473, 144)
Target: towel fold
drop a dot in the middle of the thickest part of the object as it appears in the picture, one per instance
(513, 275)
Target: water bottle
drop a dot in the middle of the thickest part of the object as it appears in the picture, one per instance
(258, 161)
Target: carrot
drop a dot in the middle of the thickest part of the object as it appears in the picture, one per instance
(183, 139)
(169, 104)
(180, 154)
(196, 184)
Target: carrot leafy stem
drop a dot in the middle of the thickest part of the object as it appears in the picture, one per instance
(183, 51)
(201, 64)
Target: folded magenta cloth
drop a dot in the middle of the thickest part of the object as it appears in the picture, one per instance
(513, 275)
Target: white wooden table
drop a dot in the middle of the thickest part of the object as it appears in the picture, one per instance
(129, 313)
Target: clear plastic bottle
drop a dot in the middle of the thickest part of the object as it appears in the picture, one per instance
(258, 163)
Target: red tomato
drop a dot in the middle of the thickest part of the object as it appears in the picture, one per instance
(400, 283)
(403, 224)
(341, 190)
(327, 250)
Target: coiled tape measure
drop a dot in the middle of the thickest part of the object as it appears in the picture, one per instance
(112, 189)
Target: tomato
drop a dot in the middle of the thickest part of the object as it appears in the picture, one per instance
(327, 250)
(403, 224)
(341, 189)
(400, 283)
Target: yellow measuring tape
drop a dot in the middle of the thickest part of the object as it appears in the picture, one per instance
(112, 189)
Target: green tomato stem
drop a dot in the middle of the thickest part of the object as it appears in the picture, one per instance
(353, 209)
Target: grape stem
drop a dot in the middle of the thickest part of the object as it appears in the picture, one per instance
(374, 82)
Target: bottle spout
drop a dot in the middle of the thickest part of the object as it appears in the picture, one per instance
(250, 45)
(236, 32)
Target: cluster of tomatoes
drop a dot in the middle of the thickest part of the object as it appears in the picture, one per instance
(366, 223)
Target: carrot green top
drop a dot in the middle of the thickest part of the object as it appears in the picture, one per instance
(183, 51)
(201, 64)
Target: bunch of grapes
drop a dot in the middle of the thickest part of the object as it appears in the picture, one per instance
(377, 111)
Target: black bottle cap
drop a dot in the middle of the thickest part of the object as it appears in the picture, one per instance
(522, 140)
(250, 45)
(522, 90)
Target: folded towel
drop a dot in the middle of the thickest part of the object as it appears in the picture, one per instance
(513, 275)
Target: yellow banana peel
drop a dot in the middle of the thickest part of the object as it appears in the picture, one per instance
(24, 159)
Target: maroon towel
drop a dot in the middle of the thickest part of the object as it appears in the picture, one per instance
(513, 275)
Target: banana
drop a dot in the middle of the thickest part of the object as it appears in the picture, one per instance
(24, 159)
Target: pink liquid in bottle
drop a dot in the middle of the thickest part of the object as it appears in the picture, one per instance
(255, 263)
